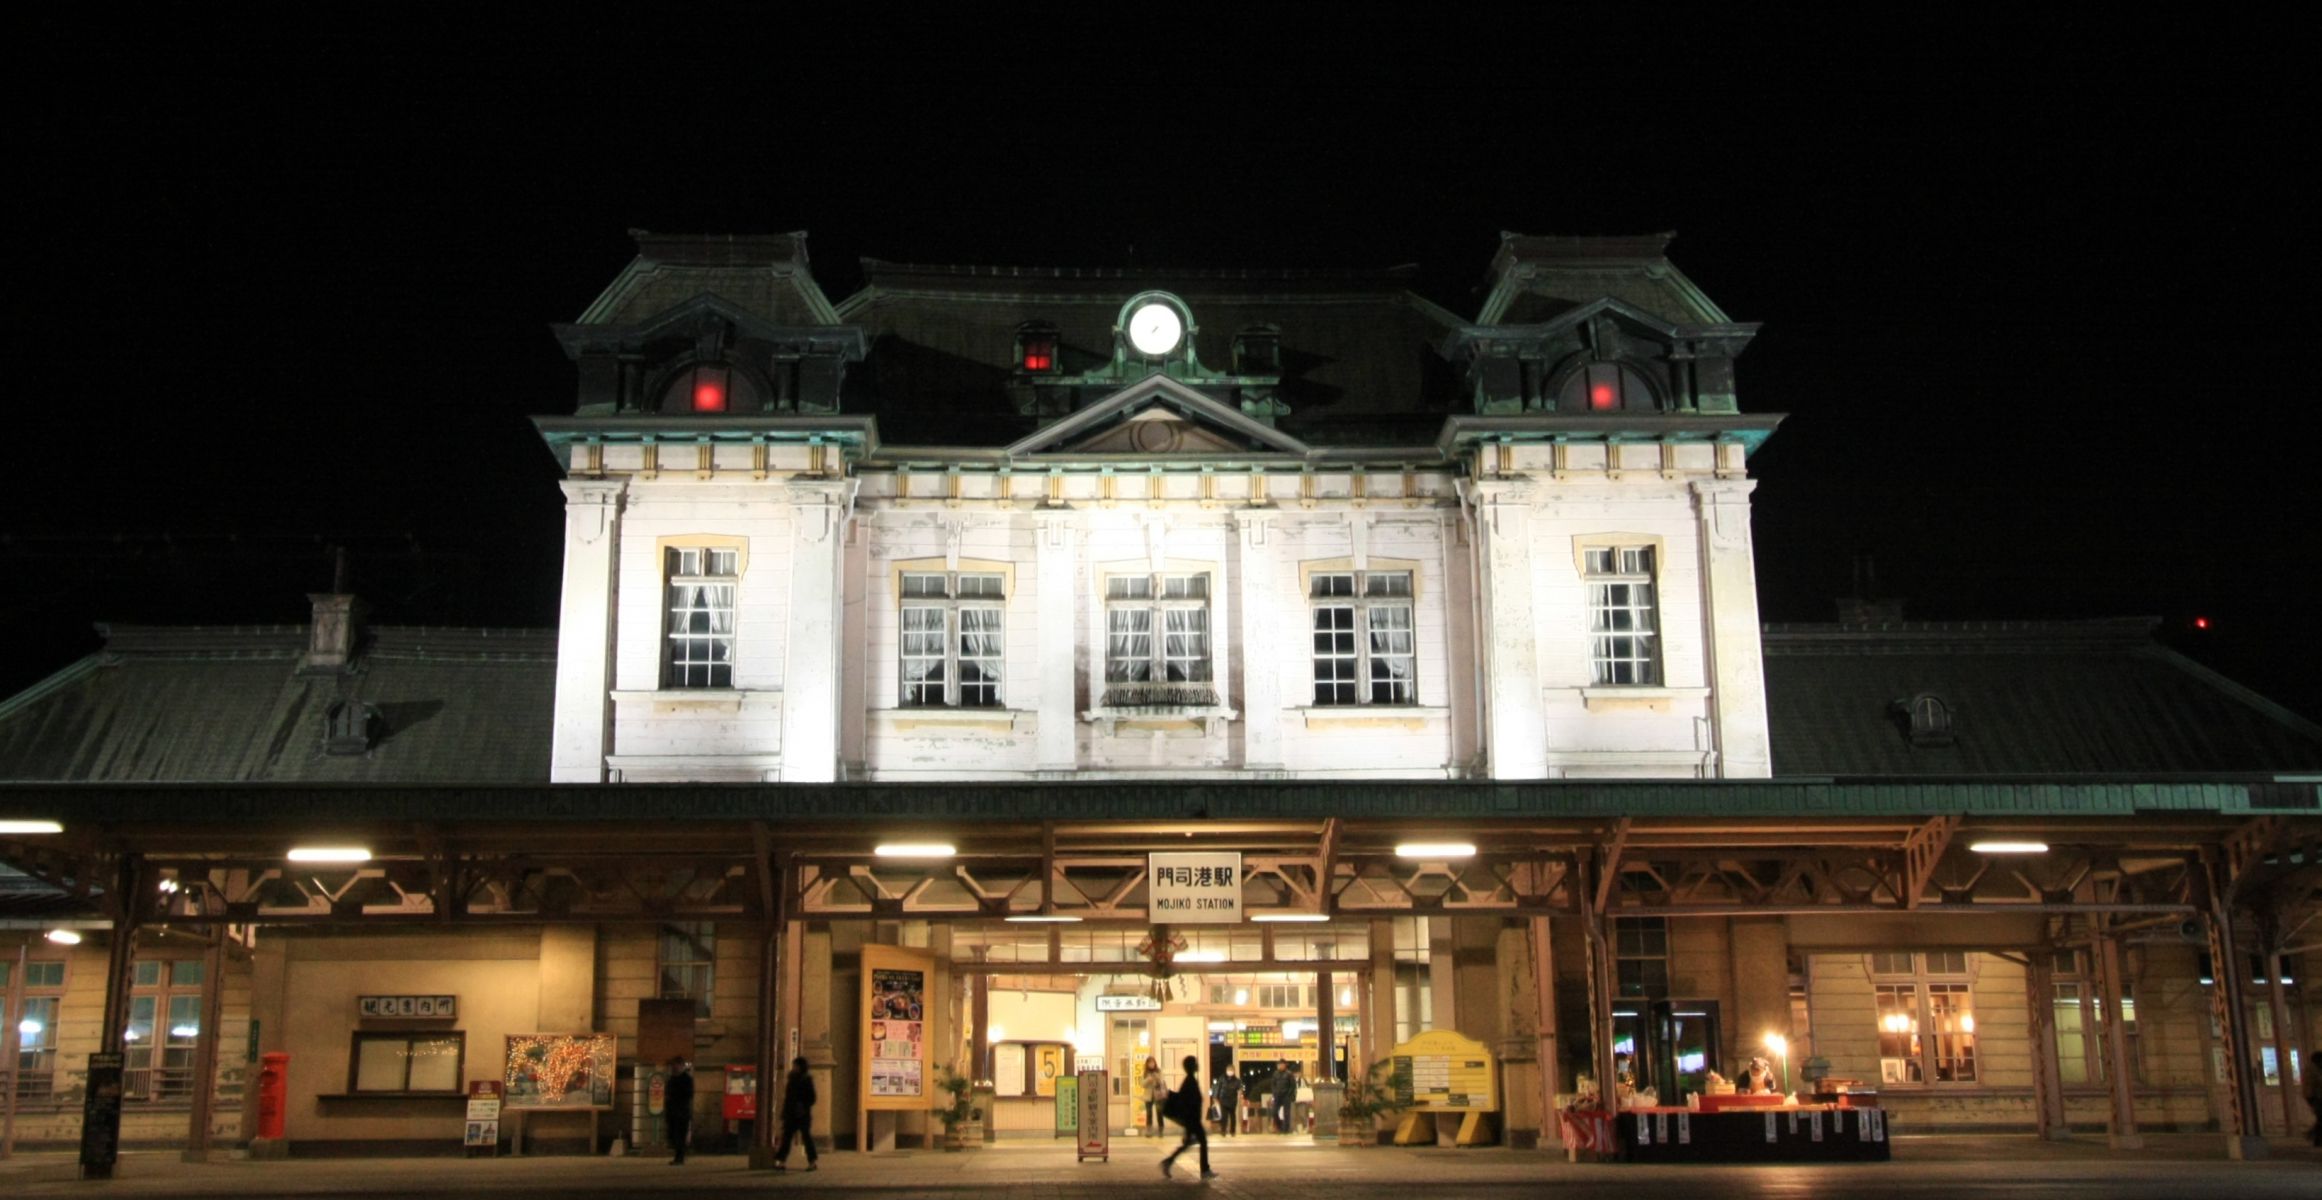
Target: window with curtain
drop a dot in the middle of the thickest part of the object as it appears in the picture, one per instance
(954, 639)
(701, 616)
(1623, 625)
(165, 1023)
(1365, 648)
(1157, 629)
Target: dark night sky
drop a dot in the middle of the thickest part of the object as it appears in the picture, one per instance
(2030, 289)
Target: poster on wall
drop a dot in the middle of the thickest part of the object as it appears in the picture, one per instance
(895, 1033)
(560, 1070)
(1008, 1069)
(1048, 1066)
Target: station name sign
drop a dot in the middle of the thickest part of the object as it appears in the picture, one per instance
(1194, 887)
(1127, 1004)
(436, 1007)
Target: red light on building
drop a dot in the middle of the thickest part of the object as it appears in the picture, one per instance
(1039, 355)
(709, 394)
(2200, 622)
(1600, 395)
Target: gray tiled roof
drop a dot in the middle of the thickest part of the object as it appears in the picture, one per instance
(212, 705)
(2027, 698)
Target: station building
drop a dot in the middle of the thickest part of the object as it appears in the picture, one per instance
(920, 627)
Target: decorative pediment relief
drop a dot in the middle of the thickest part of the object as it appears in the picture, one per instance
(1155, 431)
(1157, 416)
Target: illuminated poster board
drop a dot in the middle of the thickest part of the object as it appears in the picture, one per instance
(1440, 1071)
(894, 1014)
(560, 1070)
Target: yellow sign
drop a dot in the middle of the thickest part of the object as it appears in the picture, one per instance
(895, 1016)
(1440, 1071)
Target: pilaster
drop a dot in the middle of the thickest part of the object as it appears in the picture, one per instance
(585, 625)
(1729, 586)
(1261, 666)
(820, 509)
(1057, 559)
(1515, 721)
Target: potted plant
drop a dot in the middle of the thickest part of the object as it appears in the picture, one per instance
(956, 1111)
(1367, 1099)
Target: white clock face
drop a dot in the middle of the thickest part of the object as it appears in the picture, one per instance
(1155, 329)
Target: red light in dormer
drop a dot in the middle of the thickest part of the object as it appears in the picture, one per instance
(1039, 354)
(709, 393)
(2200, 622)
(1601, 395)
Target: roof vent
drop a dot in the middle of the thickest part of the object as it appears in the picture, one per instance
(1925, 719)
(351, 727)
(336, 633)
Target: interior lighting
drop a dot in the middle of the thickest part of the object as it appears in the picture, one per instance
(1202, 956)
(1781, 1047)
(1242, 995)
(994, 1033)
(1345, 997)
(15, 827)
(1435, 850)
(65, 937)
(329, 854)
(1042, 919)
(1999, 846)
(29, 1027)
(916, 850)
(1289, 916)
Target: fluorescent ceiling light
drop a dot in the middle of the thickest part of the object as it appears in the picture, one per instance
(1291, 916)
(1435, 850)
(1997, 846)
(15, 827)
(64, 937)
(329, 854)
(1044, 919)
(1201, 956)
(916, 850)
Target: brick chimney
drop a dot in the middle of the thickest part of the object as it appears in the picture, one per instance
(335, 637)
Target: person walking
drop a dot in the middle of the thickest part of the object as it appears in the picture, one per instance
(1154, 1090)
(1285, 1092)
(1228, 1091)
(797, 1114)
(2314, 1095)
(677, 1108)
(1184, 1107)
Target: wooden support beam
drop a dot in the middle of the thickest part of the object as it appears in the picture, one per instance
(1922, 852)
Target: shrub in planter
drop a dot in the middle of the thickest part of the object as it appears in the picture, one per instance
(957, 1110)
(1367, 1099)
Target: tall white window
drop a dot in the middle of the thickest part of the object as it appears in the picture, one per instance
(1623, 627)
(34, 1019)
(1365, 647)
(687, 958)
(165, 1022)
(701, 617)
(1157, 628)
(1925, 1007)
(953, 639)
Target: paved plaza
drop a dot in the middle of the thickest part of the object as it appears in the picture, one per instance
(1955, 1168)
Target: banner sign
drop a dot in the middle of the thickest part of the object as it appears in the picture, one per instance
(435, 1008)
(1194, 888)
(895, 1027)
(1127, 1004)
(1095, 1139)
(1440, 1071)
(1068, 1106)
(483, 1127)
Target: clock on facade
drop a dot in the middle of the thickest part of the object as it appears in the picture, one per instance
(1155, 328)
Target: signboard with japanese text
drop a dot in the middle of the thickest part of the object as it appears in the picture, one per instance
(1095, 1139)
(483, 1124)
(429, 1008)
(895, 1034)
(1194, 887)
(1068, 1106)
(1127, 1004)
(1440, 1071)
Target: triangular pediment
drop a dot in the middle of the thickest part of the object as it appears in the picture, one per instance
(1159, 417)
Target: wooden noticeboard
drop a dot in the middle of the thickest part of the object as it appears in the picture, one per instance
(1440, 1071)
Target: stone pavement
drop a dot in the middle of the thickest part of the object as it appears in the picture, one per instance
(1951, 1168)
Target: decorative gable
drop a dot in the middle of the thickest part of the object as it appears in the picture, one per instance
(1158, 416)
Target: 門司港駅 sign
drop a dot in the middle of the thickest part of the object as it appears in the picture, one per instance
(1194, 887)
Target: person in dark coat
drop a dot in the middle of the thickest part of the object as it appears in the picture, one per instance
(1285, 1092)
(797, 1114)
(1184, 1107)
(1228, 1093)
(677, 1107)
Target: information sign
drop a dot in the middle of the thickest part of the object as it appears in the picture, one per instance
(1440, 1071)
(1068, 1106)
(1127, 1004)
(894, 1027)
(1194, 887)
(483, 1126)
(1095, 1135)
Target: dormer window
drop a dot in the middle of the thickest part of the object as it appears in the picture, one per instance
(1258, 351)
(709, 389)
(1036, 349)
(1605, 387)
(1925, 718)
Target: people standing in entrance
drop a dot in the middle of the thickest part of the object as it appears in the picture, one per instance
(1154, 1089)
(1228, 1092)
(797, 1114)
(1184, 1107)
(1285, 1091)
(677, 1108)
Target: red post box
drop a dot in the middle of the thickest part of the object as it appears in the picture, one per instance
(273, 1093)
(741, 1100)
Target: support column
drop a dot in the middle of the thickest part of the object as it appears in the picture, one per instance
(820, 509)
(568, 977)
(101, 1102)
(11, 1064)
(1325, 1027)
(2243, 1138)
(206, 1038)
(1057, 560)
(1761, 980)
(2121, 1071)
(1729, 596)
(1544, 1029)
(1600, 1014)
(772, 1066)
(1515, 721)
(585, 630)
(2048, 1114)
(2285, 1047)
(1261, 648)
(1379, 1036)
(1442, 973)
(269, 1007)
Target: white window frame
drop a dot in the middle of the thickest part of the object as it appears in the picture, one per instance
(701, 584)
(1624, 613)
(1924, 1012)
(160, 1064)
(1354, 610)
(686, 976)
(959, 598)
(34, 1073)
(1149, 594)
